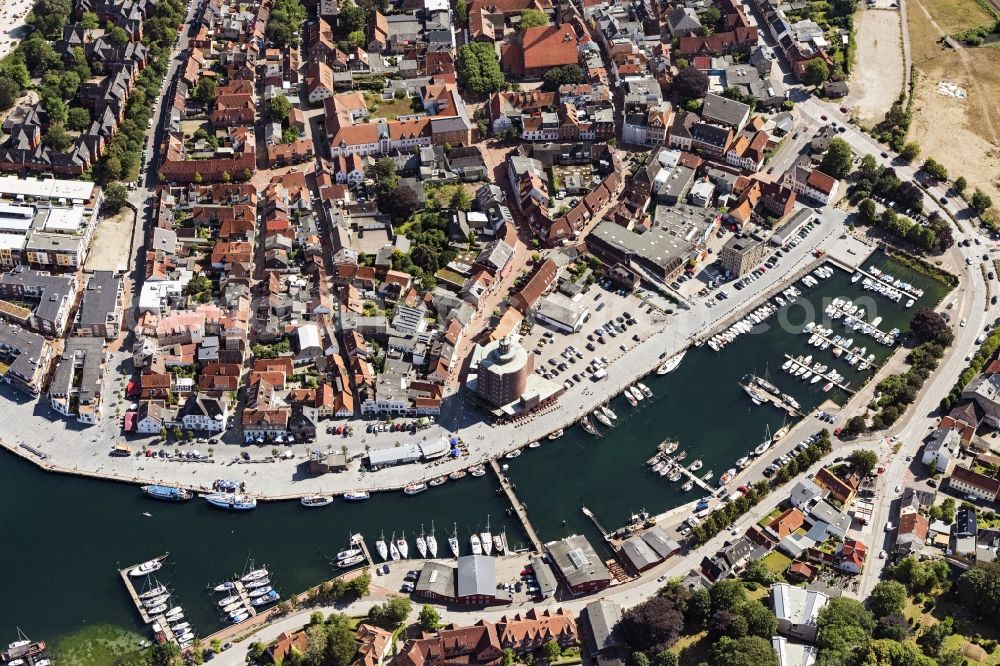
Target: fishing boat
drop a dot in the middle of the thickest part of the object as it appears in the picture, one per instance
(393, 550)
(556, 434)
(422, 543)
(782, 431)
(534, 445)
(727, 477)
(270, 597)
(458, 474)
(607, 412)
(315, 501)
(646, 391)
(356, 495)
(478, 470)
(231, 501)
(437, 481)
(256, 574)
(432, 543)
(688, 486)
(486, 538)
(513, 454)
(599, 415)
(588, 426)
(146, 568)
(414, 488)
(670, 364)
(628, 397)
(404, 548)
(477, 547)
(453, 541)
(167, 493)
(382, 548)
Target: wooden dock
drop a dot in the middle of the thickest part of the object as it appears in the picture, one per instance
(590, 514)
(519, 508)
(842, 387)
(134, 594)
(244, 596)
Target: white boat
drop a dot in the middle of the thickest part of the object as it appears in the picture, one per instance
(671, 364)
(610, 414)
(145, 568)
(176, 611)
(498, 544)
(855, 277)
(393, 550)
(270, 597)
(534, 445)
(315, 501)
(180, 627)
(155, 601)
(477, 547)
(260, 582)
(555, 434)
(349, 553)
(256, 574)
(224, 587)
(743, 462)
(636, 393)
(453, 541)
(233, 607)
(228, 600)
(646, 391)
(432, 543)
(486, 539)
(236, 619)
(422, 543)
(787, 364)
(260, 592)
(599, 415)
(404, 548)
(414, 488)
(815, 379)
(231, 501)
(382, 548)
(154, 592)
(156, 610)
(356, 495)
(910, 302)
(876, 321)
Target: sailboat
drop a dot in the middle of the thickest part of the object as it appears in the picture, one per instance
(610, 414)
(766, 444)
(383, 550)
(477, 547)
(422, 543)
(404, 548)
(498, 542)
(453, 541)
(486, 538)
(393, 550)
(432, 542)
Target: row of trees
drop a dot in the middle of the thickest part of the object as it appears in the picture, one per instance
(479, 69)
(936, 236)
(985, 352)
(286, 19)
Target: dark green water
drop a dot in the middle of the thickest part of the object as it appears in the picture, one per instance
(66, 537)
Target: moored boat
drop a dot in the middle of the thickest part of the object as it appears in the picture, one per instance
(315, 501)
(671, 364)
(382, 548)
(414, 488)
(167, 493)
(477, 547)
(556, 434)
(458, 474)
(270, 597)
(534, 445)
(350, 561)
(588, 426)
(432, 543)
(628, 396)
(478, 470)
(356, 495)
(781, 433)
(453, 541)
(231, 501)
(404, 548)
(513, 454)
(145, 568)
(437, 481)
(255, 574)
(646, 391)
(599, 415)
(727, 477)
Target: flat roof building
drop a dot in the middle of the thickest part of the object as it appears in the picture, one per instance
(740, 255)
(100, 313)
(797, 610)
(472, 582)
(76, 386)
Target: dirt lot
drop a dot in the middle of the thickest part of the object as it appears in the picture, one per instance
(960, 133)
(109, 249)
(878, 76)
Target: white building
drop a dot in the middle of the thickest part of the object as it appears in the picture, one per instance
(797, 610)
(942, 449)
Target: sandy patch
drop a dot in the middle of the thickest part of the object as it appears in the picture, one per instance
(878, 73)
(12, 15)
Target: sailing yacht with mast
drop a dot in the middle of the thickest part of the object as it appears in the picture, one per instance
(393, 550)
(486, 538)
(432, 542)
(404, 548)
(453, 541)
(422, 543)
(383, 550)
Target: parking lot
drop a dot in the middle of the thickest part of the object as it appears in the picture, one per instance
(618, 321)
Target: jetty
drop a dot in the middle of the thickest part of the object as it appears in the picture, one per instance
(160, 620)
(826, 376)
(241, 590)
(590, 514)
(519, 508)
(697, 479)
(906, 289)
(775, 400)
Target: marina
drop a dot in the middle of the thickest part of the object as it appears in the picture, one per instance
(153, 603)
(550, 483)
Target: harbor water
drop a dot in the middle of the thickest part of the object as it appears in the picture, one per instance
(66, 537)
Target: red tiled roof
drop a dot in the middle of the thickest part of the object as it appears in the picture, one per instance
(549, 46)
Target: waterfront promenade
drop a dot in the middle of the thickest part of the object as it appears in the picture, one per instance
(84, 452)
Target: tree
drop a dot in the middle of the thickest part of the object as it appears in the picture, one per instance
(509, 657)
(868, 210)
(863, 461)
(666, 658)
(461, 12)
(352, 17)
(89, 21)
(690, 84)
(909, 151)
(340, 646)
(49, 16)
(57, 109)
(935, 169)
(844, 623)
(479, 68)
(909, 195)
(838, 159)
(78, 118)
(533, 18)
(429, 618)
(747, 651)
(279, 107)
(929, 326)
(757, 572)
(391, 613)
(980, 201)
(115, 197)
(727, 623)
(887, 598)
(165, 654)
(892, 627)
(855, 426)
(652, 625)
(558, 76)
(358, 586)
(816, 72)
(727, 595)
(461, 200)
(711, 16)
(921, 576)
(960, 184)
(760, 621)
(57, 138)
(979, 589)
(204, 90)
(10, 91)
(699, 607)
(551, 651)
(931, 639)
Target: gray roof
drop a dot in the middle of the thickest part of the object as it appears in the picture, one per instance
(89, 352)
(436, 578)
(100, 299)
(639, 553)
(604, 615)
(547, 582)
(53, 292)
(827, 513)
(577, 561)
(723, 110)
(476, 576)
(660, 542)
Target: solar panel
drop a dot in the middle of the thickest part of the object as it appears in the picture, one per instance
(578, 559)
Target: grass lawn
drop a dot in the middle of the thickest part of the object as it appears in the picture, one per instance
(957, 15)
(769, 517)
(692, 649)
(777, 562)
(392, 109)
